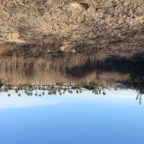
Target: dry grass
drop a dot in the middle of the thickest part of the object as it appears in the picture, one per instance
(2, 48)
(113, 26)
(41, 71)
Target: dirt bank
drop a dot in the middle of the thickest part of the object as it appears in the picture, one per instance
(40, 27)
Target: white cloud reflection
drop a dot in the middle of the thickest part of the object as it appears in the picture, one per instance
(24, 101)
(14, 101)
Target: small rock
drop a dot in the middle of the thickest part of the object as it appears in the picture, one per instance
(75, 6)
(73, 51)
(48, 51)
(91, 11)
(3, 88)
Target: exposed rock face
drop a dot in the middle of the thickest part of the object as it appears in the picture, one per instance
(115, 26)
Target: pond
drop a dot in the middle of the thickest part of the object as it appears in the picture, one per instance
(71, 100)
(83, 118)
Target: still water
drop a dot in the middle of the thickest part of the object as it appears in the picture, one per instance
(84, 118)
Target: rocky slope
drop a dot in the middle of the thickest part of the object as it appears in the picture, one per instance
(40, 27)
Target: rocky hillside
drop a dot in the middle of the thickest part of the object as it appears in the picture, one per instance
(45, 26)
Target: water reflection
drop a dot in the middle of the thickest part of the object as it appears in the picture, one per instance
(39, 98)
(57, 89)
(78, 72)
(136, 78)
(43, 92)
(71, 99)
(79, 118)
(21, 99)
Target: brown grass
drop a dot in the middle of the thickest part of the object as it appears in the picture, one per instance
(2, 48)
(41, 71)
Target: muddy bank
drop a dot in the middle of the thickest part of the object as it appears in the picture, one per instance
(38, 27)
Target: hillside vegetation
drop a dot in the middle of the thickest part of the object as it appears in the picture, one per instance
(84, 26)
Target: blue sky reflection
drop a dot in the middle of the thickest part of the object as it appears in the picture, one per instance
(115, 118)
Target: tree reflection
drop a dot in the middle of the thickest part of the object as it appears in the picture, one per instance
(136, 77)
(55, 89)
